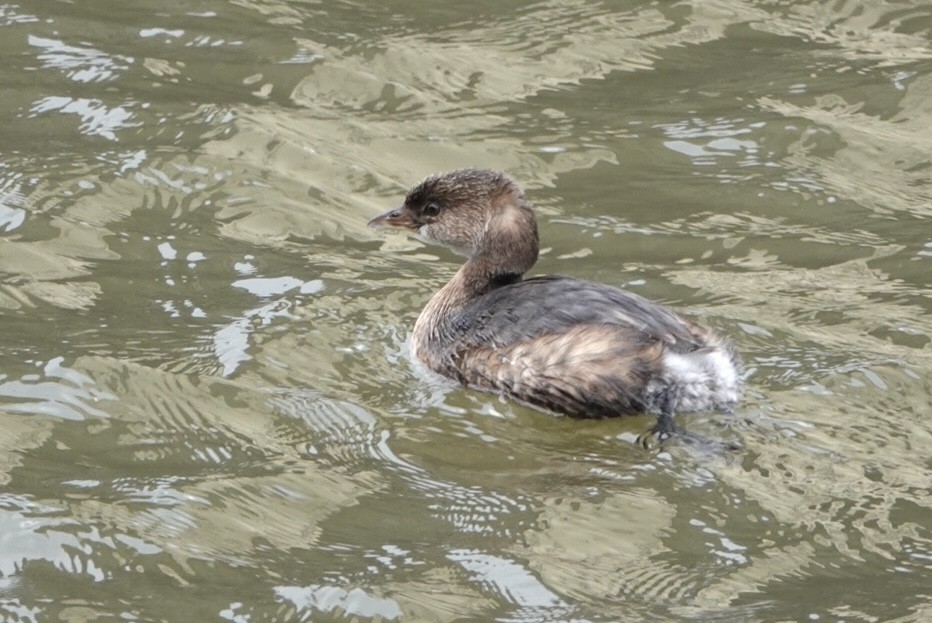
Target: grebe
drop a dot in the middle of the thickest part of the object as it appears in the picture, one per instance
(574, 347)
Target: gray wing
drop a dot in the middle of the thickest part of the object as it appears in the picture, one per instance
(554, 305)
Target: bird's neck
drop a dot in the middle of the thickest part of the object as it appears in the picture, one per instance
(507, 250)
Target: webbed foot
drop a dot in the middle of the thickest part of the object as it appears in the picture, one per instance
(662, 430)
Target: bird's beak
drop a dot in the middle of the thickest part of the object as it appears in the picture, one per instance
(397, 218)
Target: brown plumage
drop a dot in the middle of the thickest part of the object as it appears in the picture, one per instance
(560, 344)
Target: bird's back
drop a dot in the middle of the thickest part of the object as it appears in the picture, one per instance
(575, 347)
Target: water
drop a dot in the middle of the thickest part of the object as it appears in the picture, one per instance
(208, 408)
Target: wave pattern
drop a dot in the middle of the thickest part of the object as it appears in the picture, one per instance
(208, 404)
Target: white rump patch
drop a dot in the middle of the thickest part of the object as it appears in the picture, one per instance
(703, 380)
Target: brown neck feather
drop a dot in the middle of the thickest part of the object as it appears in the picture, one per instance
(507, 249)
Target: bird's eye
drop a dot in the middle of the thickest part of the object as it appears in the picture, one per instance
(431, 209)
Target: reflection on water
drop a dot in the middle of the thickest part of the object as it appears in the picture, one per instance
(208, 406)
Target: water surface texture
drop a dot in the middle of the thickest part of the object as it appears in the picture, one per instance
(207, 406)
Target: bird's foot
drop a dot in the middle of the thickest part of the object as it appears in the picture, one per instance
(660, 433)
(662, 430)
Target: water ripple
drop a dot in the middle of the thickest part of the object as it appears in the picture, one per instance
(80, 63)
(204, 377)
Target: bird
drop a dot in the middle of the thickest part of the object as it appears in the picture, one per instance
(558, 344)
